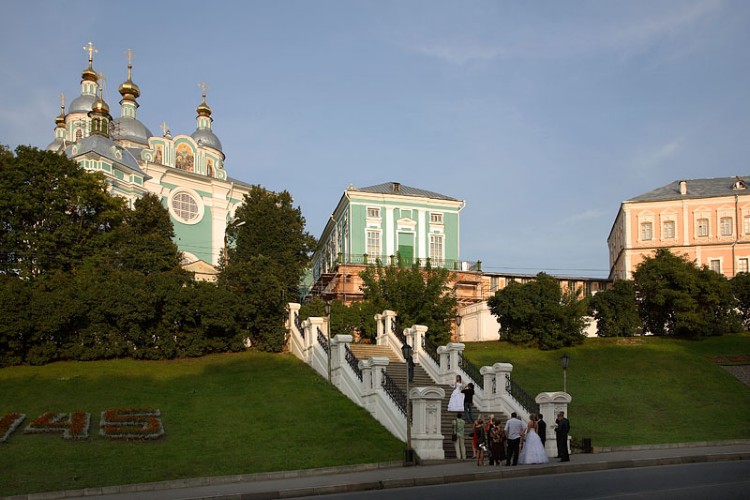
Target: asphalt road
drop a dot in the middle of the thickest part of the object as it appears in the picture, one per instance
(713, 480)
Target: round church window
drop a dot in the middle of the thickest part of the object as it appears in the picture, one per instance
(184, 207)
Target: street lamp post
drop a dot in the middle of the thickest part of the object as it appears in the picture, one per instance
(458, 326)
(328, 315)
(406, 350)
(564, 361)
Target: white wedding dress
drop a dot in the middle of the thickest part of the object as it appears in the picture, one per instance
(533, 450)
(456, 402)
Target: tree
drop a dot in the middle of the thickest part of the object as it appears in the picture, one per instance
(50, 211)
(616, 311)
(357, 318)
(421, 296)
(538, 314)
(741, 290)
(677, 298)
(268, 252)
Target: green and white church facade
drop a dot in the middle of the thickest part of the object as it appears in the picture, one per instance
(185, 171)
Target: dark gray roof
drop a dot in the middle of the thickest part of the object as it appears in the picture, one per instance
(105, 147)
(696, 188)
(400, 189)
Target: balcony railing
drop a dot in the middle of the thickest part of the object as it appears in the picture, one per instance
(386, 260)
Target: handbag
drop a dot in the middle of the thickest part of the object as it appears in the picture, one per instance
(454, 437)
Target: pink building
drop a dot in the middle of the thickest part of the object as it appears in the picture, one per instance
(706, 219)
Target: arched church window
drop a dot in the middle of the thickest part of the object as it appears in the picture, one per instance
(79, 134)
(210, 167)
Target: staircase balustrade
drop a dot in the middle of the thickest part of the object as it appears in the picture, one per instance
(323, 341)
(430, 349)
(353, 362)
(521, 396)
(471, 370)
(396, 329)
(394, 392)
(298, 323)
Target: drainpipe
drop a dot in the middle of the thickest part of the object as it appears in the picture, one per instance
(737, 234)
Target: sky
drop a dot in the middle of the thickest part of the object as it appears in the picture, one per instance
(542, 115)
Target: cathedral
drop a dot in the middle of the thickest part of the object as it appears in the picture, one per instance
(185, 171)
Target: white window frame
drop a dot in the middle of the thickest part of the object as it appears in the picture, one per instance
(647, 231)
(746, 225)
(725, 226)
(437, 247)
(665, 234)
(743, 265)
(717, 263)
(702, 227)
(200, 207)
(436, 218)
(373, 212)
(377, 233)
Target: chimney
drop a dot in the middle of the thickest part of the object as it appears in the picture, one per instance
(683, 187)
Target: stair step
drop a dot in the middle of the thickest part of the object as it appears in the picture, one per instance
(365, 351)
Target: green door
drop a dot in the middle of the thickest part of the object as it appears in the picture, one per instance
(406, 248)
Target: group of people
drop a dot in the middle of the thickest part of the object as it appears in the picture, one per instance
(514, 443)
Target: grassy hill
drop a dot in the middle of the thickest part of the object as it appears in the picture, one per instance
(253, 412)
(642, 390)
(222, 415)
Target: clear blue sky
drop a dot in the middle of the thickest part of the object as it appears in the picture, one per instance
(542, 115)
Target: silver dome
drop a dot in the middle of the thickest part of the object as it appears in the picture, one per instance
(130, 129)
(204, 137)
(55, 145)
(82, 104)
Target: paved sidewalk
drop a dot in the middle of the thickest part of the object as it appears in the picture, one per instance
(292, 484)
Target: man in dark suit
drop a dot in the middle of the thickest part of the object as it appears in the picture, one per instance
(542, 428)
(562, 429)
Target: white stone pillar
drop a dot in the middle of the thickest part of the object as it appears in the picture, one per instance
(415, 337)
(338, 356)
(380, 324)
(426, 436)
(550, 404)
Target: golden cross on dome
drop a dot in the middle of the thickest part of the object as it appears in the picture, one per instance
(62, 100)
(165, 129)
(130, 55)
(102, 81)
(89, 47)
(203, 87)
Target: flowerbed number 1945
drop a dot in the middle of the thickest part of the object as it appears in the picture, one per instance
(133, 424)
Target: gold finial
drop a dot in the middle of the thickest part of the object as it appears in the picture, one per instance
(62, 102)
(165, 129)
(89, 47)
(203, 87)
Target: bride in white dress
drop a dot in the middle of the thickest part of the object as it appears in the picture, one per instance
(533, 449)
(456, 402)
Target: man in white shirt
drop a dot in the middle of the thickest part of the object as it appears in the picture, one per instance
(514, 429)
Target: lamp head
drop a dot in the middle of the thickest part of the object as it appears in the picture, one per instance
(564, 361)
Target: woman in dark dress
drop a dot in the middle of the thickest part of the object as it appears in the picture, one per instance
(497, 443)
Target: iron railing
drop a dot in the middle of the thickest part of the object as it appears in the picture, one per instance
(430, 348)
(470, 369)
(397, 331)
(519, 394)
(323, 341)
(298, 322)
(353, 362)
(395, 393)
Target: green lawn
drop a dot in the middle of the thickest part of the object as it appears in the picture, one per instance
(252, 412)
(224, 414)
(638, 391)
